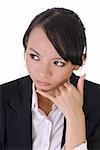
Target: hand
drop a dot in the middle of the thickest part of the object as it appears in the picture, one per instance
(67, 97)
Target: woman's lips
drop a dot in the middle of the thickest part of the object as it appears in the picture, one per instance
(42, 83)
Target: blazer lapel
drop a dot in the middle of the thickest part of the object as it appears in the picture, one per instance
(64, 133)
(18, 114)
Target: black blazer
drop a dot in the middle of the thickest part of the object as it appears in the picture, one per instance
(16, 117)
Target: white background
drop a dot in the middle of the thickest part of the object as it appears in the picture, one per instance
(15, 16)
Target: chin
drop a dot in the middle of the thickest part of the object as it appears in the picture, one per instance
(43, 89)
(46, 89)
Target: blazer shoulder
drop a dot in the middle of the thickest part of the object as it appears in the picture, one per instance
(13, 87)
(92, 96)
(14, 83)
(91, 87)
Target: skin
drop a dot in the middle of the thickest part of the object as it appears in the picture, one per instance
(51, 76)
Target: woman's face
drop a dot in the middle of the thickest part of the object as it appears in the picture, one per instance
(45, 66)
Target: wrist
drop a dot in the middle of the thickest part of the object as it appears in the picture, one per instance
(75, 115)
(75, 126)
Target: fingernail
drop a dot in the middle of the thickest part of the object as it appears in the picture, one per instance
(83, 77)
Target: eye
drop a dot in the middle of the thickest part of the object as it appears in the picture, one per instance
(59, 63)
(34, 57)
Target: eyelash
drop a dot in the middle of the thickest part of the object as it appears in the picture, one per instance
(55, 62)
(61, 63)
(33, 57)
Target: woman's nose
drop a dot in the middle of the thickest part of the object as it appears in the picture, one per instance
(45, 71)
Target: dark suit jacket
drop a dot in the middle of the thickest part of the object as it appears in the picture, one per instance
(16, 117)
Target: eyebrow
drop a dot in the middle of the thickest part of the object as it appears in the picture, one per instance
(40, 55)
(35, 51)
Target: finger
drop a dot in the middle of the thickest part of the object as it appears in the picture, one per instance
(70, 87)
(61, 88)
(80, 84)
(57, 92)
(69, 80)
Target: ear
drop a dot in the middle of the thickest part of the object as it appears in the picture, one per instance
(83, 59)
(76, 67)
(24, 55)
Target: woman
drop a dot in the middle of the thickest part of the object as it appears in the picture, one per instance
(47, 109)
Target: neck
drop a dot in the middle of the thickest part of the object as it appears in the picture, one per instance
(44, 104)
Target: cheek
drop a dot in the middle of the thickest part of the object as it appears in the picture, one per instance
(62, 76)
(31, 66)
(28, 64)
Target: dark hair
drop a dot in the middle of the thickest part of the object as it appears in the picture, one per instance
(65, 30)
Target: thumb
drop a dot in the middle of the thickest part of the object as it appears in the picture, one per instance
(80, 84)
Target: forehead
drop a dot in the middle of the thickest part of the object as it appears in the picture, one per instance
(39, 42)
